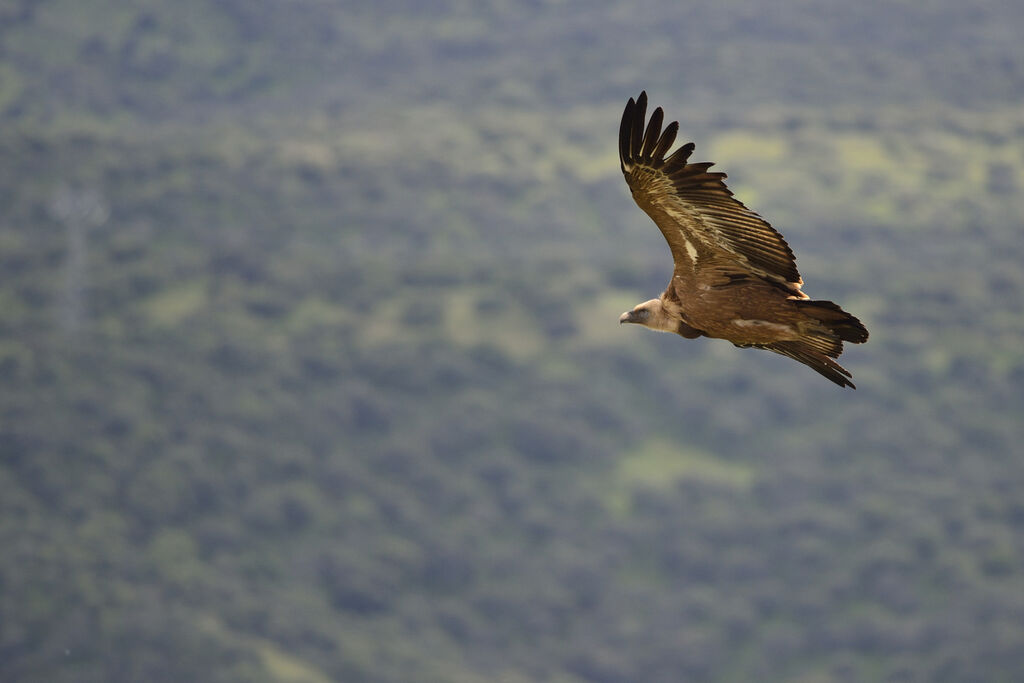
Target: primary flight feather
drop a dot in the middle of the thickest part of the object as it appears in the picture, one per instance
(735, 277)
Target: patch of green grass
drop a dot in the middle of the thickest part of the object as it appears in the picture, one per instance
(863, 153)
(173, 305)
(659, 464)
(314, 312)
(10, 85)
(739, 146)
(281, 665)
(597, 323)
(513, 331)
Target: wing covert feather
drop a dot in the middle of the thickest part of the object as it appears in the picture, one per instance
(693, 208)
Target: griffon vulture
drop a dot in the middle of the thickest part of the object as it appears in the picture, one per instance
(735, 277)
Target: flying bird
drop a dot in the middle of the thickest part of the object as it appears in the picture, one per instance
(735, 277)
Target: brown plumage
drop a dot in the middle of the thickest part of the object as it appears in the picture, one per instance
(735, 277)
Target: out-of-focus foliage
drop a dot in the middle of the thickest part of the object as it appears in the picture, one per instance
(310, 368)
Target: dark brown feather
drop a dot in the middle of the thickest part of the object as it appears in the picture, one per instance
(639, 114)
(652, 136)
(688, 199)
(667, 138)
(841, 323)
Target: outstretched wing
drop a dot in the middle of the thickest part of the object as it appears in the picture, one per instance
(695, 211)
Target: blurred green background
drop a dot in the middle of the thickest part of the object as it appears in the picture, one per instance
(310, 368)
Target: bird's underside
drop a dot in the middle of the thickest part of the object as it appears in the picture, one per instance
(735, 277)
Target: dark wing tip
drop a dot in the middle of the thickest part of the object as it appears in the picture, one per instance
(652, 135)
(625, 128)
(636, 134)
(645, 141)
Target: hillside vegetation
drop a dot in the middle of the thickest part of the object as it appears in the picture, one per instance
(311, 371)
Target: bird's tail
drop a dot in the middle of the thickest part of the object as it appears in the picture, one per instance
(820, 344)
(835, 319)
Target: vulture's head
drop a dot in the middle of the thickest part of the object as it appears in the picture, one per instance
(649, 314)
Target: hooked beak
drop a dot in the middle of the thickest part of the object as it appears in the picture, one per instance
(626, 317)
